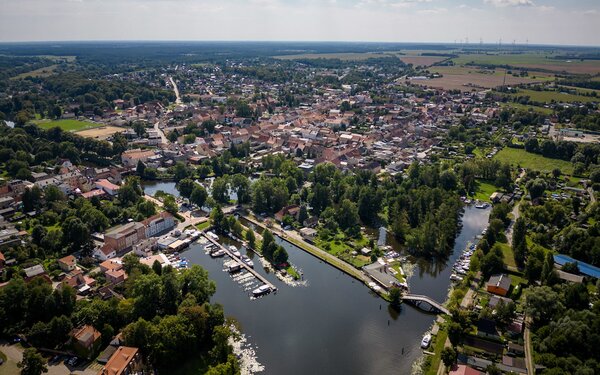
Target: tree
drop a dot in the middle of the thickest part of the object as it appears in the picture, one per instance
(139, 127)
(199, 195)
(185, 187)
(33, 363)
(347, 215)
(536, 188)
(449, 356)
(140, 169)
(549, 275)
(492, 262)
(157, 267)
(280, 256)
(75, 232)
(170, 204)
(542, 304)
(251, 238)
(268, 239)
(31, 198)
(219, 221)
(220, 190)
(241, 186)
(519, 243)
(395, 296)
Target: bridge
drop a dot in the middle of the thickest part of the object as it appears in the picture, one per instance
(418, 300)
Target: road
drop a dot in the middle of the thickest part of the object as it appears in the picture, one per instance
(163, 138)
(14, 355)
(509, 231)
(189, 219)
(178, 98)
(528, 351)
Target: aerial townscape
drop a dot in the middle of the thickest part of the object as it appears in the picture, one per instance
(289, 207)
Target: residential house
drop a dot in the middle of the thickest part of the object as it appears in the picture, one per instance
(2, 260)
(115, 276)
(110, 265)
(292, 210)
(108, 187)
(68, 263)
(499, 284)
(86, 341)
(487, 328)
(130, 158)
(158, 223)
(464, 370)
(125, 361)
(105, 252)
(78, 281)
(308, 234)
(35, 271)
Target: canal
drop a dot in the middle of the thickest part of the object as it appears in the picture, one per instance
(335, 324)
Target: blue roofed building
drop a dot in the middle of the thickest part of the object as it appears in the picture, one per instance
(584, 268)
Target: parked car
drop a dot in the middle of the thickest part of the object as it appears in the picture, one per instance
(73, 361)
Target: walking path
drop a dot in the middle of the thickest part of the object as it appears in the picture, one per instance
(528, 351)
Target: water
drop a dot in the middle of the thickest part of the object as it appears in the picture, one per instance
(151, 187)
(335, 325)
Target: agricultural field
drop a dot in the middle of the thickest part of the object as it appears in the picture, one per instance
(66, 125)
(421, 60)
(531, 61)
(555, 96)
(524, 159)
(101, 132)
(342, 56)
(469, 78)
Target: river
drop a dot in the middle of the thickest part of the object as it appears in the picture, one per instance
(335, 324)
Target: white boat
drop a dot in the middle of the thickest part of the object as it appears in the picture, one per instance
(234, 268)
(261, 290)
(248, 261)
(235, 251)
(426, 341)
(218, 253)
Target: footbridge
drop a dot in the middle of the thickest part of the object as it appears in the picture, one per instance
(418, 300)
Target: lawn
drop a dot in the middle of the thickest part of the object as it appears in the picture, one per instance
(524, 159)
(507, 254)
(527, 108)
(203, 225)
(67, 125)
(438, 346)
(341, 247)
(483, 190)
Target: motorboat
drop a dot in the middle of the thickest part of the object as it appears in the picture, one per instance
(248, 261)
(261, 290)
(235, 251)
(217, 254)
(234, 268)
(426, 341)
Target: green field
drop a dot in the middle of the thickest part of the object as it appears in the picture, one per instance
(527, 108)
(483, 190)
(507, 254)
(67, 125)
(531, 61)
(524, 159)
(554, 96)
(350, 56)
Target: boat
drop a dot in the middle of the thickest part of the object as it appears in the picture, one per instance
(234, 268)
(248, 261)
(426, 341)
(261, 290)
(235, 251)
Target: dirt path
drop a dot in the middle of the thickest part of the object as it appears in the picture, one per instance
(528, 351)
(509, 231)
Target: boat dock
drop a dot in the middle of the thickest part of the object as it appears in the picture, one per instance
(240, 262)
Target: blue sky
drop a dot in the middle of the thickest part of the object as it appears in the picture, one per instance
(573, 22)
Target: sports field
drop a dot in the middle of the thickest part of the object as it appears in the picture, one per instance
(101, 132)
(524, 159)
(66, 125)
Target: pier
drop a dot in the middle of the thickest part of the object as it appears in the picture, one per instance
(243, 264)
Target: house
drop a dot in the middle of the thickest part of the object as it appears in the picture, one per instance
(78, 281)
(499, 285)
(115, 276)
(487, 328)
(68, 263)
(2, 260)
(311, 222)
(125, 361)
(86, 341)
(99, 193)
(464, 370)
(125, 236)
(515, 349)
(130, 158)
(292, 210)
(108, 187)
(35, 271)
(308, 234)
(110, 265)
(158, 223)
(105, 252)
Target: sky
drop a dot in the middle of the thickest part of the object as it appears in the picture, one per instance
(568, 22)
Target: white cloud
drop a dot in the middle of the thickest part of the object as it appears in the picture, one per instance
(509, 3)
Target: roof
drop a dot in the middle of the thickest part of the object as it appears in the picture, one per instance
(464, 370)
(118, 362)
(123, 230)
(85, 333)
(34, 271)
(93, 193)
(69, 260)
(584, 268)
(2, 256)
(104, 183)
(500, 281)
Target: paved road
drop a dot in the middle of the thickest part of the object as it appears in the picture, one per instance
(178, 100)
(509, 231)
(189, 219)
(163, 138)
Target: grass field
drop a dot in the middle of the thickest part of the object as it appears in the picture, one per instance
(524, 107)
(507, 254)
(524, 159)
(483, 190)
(531, 61)
(341, 56)
(38, 73)
(67, 125)
(554, 96)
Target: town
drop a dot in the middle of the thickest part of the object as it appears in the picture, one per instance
(121, 185)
